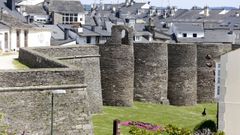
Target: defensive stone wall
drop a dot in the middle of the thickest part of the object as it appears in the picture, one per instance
(182, 74)
(117, 68)
(31, 102)
(235, 46)
(206, 56)
(33, 59)
(84, 57)
(41, 77)
(151, 72)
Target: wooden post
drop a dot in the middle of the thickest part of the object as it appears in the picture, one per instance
(116, 128)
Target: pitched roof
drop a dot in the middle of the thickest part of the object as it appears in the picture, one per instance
(194, 27)
(66, 6)
(35, 9)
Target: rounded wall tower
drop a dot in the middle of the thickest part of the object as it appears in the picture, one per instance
(151, 72)
(117, 68)
(182, 74)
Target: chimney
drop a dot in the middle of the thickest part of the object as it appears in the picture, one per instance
(80, 28)
(1, 14)
(127, 2)
(237, 14)
(11, 4)
(206, 11)
(66, 34)
(93, 28)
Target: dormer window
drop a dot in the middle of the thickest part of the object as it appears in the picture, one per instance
(184, 34)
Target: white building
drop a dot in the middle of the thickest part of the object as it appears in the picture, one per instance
(229, 101)
(187, 30)
(15, 33)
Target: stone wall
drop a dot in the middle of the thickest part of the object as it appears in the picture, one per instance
(68, 51)
(33, 59)
(117, 70)
(30, 111)
(206, 55)
(85, 57)
(235, 46)
(151, 72)
(91, 67)
(41, 77)
(26, 101)
(182, 74)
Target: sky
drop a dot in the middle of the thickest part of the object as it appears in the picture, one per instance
(179, 3)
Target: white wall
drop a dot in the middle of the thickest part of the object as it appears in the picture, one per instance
(36, 38)
(30, 2)
(81, 15)
(189, 34)
(39, 38)
(229, 102)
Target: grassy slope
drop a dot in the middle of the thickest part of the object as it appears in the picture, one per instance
(186, 117)
(19, 65)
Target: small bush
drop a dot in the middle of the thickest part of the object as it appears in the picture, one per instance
(173, 130)
(207, 124)
(168, 130)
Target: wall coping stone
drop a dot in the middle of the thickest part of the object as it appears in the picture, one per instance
(41, 88)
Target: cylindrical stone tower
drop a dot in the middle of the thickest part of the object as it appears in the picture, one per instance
(151, 72)
(117, 68)
(182, 74)
(206, 53)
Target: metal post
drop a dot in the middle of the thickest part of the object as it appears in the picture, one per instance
(52, 115)
(116, 128)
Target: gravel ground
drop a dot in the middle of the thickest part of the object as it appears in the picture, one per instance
(6, 61)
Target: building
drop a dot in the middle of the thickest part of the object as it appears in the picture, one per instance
(66, 11)
(17, 32)
(229, 103)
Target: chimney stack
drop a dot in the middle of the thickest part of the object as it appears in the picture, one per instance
(66, 34)
(206, 11)
(11, 4)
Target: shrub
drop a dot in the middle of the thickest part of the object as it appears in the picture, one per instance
(168, 130)
(173, 130)
(207, 124)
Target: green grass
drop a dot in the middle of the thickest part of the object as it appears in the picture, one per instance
(19, 65)
(187, 116)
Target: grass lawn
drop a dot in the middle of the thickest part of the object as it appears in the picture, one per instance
(187, 116)
(18, 65)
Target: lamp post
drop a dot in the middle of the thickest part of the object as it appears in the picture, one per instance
(54, 92)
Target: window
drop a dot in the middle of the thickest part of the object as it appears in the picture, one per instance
(88, 40)
(184, 34)
(137, 38)
(69, 18)
(18, 38)
(194, 34)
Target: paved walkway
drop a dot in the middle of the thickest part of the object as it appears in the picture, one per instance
(6, 61)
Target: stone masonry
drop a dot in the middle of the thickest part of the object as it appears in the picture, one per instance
(207, 53)
(151, 72)
(117, 68)
(27, 104)
(85, 58)
(182, 74)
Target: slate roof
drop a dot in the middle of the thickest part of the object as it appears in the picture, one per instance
(56, 32)
(132, 9)
(190, 27)
(11, 12)
(66, 6)
(36, 9)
